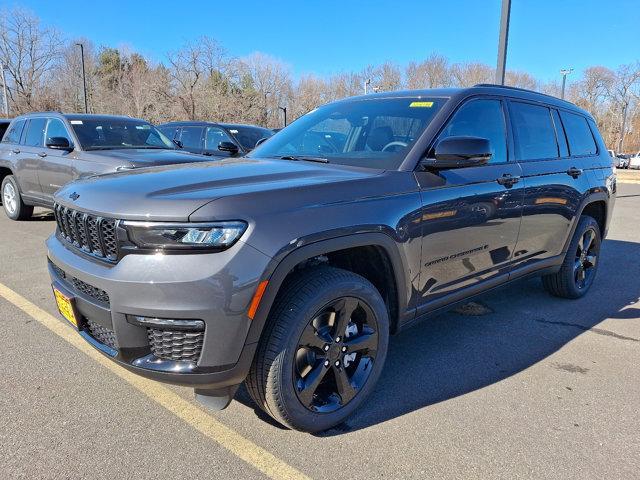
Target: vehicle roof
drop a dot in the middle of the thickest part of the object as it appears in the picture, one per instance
(81, 116)
(205, 123)
(483, 88)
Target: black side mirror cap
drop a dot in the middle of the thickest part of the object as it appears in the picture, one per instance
(59, 143)
(459, 152)
(228, 147)
(178, 143)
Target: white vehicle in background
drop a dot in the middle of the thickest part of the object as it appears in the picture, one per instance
(634, 162)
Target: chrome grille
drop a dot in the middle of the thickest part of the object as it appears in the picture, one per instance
(102, 334)
(175, 345)
(93, 234)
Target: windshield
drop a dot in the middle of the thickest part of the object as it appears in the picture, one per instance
(374, 133)
(249, 136)
(116, 133)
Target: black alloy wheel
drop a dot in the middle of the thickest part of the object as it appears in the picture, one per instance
(322, 349)
(580, 264)
(335, 355)
(586, 259)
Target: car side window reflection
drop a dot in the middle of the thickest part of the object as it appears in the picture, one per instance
(481, 118)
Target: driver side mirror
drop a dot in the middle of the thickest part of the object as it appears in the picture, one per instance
(59, 143)
(178, 143)
(459, 152)
(230, 147)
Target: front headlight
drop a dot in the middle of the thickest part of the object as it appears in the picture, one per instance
(218, 235)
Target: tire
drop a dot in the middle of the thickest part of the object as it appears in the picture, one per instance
(275, 381)
(568, 282)
(12, 202)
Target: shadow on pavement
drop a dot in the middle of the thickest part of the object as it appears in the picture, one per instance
(453, 354)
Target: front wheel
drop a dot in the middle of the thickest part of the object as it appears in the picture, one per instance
(12, 202)
(580, 264)
(322, 350)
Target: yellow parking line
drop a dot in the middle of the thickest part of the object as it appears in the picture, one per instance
(246, 450)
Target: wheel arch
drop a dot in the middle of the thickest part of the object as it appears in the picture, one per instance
(285, 263)
(593, 204)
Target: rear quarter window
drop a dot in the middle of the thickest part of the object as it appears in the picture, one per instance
(579, 134)
(14, 132)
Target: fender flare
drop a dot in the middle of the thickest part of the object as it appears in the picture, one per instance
(283, 263)
(594, 196)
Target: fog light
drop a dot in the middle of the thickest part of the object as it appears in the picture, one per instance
(167, 323)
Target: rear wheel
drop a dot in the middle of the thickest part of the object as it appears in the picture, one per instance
(579, 268)
(322, 351)
(12, 202)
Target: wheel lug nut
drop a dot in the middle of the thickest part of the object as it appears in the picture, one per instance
(326, 363)
(338, 339)
(344, 349)
(326, 348)
(337, 363)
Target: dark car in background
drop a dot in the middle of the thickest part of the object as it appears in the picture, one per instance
(41, 152)
(215, 139)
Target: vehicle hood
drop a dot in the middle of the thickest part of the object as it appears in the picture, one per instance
(172, 193)
(145, 157)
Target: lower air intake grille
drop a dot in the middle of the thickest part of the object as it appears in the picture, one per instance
(175, 345)
(102, 334)
(90, 290)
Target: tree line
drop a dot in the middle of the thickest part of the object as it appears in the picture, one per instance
(202, 81)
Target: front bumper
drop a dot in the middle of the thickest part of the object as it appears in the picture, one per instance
(216, 288)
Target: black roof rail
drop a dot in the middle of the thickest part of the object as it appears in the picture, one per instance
(495, 85)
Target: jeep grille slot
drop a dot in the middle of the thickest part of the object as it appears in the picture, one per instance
(92, 234)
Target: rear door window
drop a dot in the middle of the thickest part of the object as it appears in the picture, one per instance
(35, 132)
(14, 132)
(533, 130)
(581, 140)
(480, 118)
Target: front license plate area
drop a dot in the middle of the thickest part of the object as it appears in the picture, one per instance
(66, 308)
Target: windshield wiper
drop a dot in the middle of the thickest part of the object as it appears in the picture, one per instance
(128, 147)
(305, 158)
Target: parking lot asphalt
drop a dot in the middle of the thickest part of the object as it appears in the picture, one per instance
(535, 387)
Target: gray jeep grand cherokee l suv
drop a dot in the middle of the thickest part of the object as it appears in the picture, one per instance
(41, 152)
(289, 268)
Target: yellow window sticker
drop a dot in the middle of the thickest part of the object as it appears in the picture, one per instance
(421, 104)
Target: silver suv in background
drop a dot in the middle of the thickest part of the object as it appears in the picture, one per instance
(41, 152)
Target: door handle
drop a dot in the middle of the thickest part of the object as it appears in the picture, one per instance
(16, 151)
(508, 180)
(42, 154)
(574, 172)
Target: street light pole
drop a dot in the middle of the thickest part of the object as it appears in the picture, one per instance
(84, 80)
(564, 72)
(502, 41)
(284, 110)
(367, 82)
(4, 91)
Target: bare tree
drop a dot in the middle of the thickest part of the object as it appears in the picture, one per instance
(30, 52)
(434, 72)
